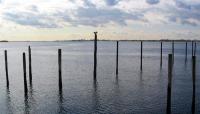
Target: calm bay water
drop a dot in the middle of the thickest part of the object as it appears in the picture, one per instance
(134, 92)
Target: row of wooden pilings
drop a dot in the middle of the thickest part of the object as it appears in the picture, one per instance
(170, 68)
(30, 69)
(24, 69)
(161, 55)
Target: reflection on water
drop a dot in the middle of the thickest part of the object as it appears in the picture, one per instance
(8, 101)
(193, 103)
(116, 94)
(141, 77)
(185, 66)
(26, 103)
(31, 99)
(61, 108)
(95, 96)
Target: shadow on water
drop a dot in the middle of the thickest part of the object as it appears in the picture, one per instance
(9, 106)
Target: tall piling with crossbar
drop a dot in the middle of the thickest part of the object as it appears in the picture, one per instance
(117, 57)
(60, 69)
(6, 68)
(170, 66)
(24, 69)
(95, 55)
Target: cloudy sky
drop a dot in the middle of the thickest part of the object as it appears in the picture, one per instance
(113, 19)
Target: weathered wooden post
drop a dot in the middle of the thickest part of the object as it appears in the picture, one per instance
(60, 69)
(24, 68)
(161, 53)
(95, 55)
(173, 52)
(6, 68)
(194, 83)
(117, 58)
(141, 56)
(30, 65)
(186, 51)
(169, 83)
(195, 46)
(192, 49)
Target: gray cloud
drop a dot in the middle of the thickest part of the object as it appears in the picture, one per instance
(30, 19)
(112, 2)
(182, 21)
(184, 12)
(181, 4)
(90, 16)
(152, 1)
(186, 22)
(187, 6)
(98, 17)
(33, 8)
(88, 3)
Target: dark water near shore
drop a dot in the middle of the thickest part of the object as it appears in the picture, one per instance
(132, 92)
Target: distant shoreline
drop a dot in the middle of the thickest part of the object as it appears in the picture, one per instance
(164, 40)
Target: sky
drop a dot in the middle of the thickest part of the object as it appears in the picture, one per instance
(49, 20)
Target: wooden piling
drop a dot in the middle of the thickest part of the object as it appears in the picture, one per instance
(192, 49)
(141, 56)
(60, 69)
(173, 52)
(6, 68)
(194, 83)
(24, 69)
(117, 58)
(195, 46)
(95, 55)
(186, 51)
(161, 53)
(30, 65)
(169, 83)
